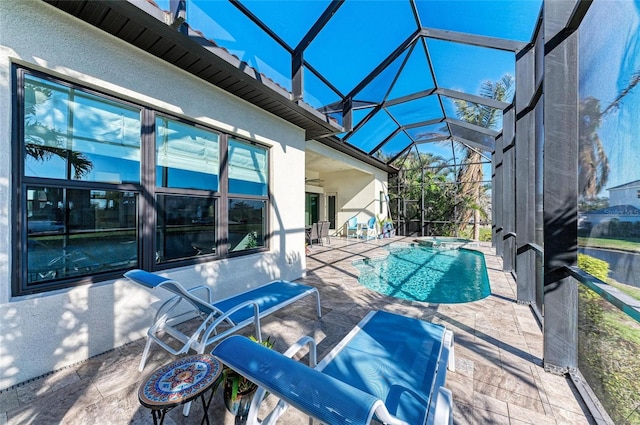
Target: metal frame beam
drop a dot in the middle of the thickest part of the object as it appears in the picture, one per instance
(471, 143)
(486, 101)
(409, 97)
(473, 40)
(560, 187)
(469, 126)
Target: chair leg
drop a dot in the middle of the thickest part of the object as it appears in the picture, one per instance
(145, 354)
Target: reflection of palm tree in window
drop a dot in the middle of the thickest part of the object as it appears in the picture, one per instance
(593, 167)
(43, 142)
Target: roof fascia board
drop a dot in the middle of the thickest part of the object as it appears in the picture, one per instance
(152, 18)
(336, 144)
(487, 101)
(473, 40)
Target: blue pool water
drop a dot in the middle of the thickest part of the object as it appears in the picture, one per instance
(426, 274)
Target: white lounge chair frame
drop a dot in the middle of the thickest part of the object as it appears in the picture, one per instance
(234, 312)
(306, 388)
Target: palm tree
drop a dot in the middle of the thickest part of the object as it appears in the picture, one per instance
(593, 164)
(42, 142)
(470, 172)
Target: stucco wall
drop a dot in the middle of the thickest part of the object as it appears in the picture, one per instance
(45, 332)
(358, 188)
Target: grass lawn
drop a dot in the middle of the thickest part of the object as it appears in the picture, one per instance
(632, 291)
(632, 244)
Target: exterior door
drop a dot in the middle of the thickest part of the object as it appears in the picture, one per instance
(331, 210)
(311, 208)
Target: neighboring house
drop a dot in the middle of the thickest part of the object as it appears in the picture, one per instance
(625, 194)
(624, 206)
(116, 158)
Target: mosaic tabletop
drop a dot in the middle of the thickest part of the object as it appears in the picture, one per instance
(179, 381)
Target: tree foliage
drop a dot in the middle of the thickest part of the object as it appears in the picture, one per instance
(42, 142)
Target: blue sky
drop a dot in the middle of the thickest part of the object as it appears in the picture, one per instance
(609, 57)
(360, 35)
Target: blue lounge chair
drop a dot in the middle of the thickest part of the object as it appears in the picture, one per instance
(390, 368)
(216, 319)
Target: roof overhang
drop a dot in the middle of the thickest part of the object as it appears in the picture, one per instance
(142, 24)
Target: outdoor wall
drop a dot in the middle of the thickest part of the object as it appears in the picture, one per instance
(625, 195)
(358, 186)
(44, 332)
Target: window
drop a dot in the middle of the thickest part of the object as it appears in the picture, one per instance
(248, 188)
(85, 211)
(186, 227)
(79, 152)
(187, 157)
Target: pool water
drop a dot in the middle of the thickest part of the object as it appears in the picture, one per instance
(418, 273)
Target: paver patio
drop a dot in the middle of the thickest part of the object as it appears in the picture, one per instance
(499, 377)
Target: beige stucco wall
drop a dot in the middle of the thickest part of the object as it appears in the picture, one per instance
(357, 187)
(44, 332)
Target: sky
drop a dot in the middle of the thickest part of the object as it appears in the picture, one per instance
(609, 58)
(360, 35)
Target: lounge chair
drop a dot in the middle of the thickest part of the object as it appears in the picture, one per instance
(390, 368)
(235, 312)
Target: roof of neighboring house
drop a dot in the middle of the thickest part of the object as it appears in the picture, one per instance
(635, 183)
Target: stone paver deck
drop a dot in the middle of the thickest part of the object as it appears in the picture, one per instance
(499, 377)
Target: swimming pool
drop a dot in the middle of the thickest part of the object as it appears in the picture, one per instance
(426, 274)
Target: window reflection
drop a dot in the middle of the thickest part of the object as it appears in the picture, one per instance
(187, 157)
(608, 174)
(247, 224)
(186, 227)
(73, 232)
(73, 135)
(248, 168)
(609, 207)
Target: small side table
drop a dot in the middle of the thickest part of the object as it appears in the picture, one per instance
(180, 382)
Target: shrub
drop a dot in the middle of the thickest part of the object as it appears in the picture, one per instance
(594, 266)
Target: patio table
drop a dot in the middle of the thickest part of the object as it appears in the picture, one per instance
(180, 382)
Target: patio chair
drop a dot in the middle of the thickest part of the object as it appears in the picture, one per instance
(216, 320)
(353, 229)
(315, 234)
(390, 368)
(371, 228)
(324, 232)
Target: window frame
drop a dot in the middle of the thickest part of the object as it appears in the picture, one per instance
(146, 191)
